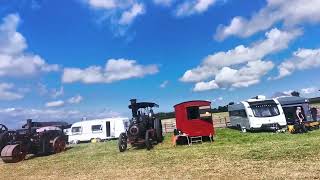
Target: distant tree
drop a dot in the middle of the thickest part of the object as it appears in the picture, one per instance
(165, 115)
(295, 93)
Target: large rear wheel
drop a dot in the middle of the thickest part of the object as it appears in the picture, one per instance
(4, 139)
(158, 129)
(59, 144)
(148, 141)
(122, 142)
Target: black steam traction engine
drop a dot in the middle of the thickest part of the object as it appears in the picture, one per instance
(39, 138)
(144, 129)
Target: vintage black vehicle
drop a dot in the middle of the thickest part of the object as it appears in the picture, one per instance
(144, 129)
(39, 138)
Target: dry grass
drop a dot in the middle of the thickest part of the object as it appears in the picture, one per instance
(232, 156)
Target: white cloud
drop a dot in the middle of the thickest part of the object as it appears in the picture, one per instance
(194, 7)
(114, 70)
(128, 16)
(164, 84)
(163, 2)
(309, 90)
(57, 92)
(119, 13)
(275, 41)
(288, 93)
(301, 60)
(75, 100)
(233, 78)
(6, 92)
(14, 61)
(102, 4)
(58, 103)
(291, 13)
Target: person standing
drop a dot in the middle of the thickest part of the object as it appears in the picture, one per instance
(300, 119)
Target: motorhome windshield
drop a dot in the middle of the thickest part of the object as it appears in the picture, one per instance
(265, 110)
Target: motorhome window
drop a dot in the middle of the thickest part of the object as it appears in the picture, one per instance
(76, 130)
(96, 128)
(193, 112)
(267, 110)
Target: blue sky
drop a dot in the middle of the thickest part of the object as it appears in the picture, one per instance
(62, 60)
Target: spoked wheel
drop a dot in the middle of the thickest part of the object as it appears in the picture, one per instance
(12, 154)
(122, 143)
(59, 145)
(3, 128)
(148, 141)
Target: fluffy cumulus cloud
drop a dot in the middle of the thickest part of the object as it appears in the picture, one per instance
(220, 65)
(114, 70)
(7, 92)
(289, 13)
(58, 103)
(237, 78)
(15, 117)
(194, 7)
(301, 59)
(14, 61)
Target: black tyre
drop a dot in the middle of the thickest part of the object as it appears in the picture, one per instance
(148, 141)
(122, 142)
(44, 148)
(4, 139)
(158, 129)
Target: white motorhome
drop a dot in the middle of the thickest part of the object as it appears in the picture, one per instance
(99, 129)
(257, 113)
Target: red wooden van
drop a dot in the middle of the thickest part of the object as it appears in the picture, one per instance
(194, 119)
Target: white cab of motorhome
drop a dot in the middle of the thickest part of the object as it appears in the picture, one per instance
(99, 129)
(257, 113)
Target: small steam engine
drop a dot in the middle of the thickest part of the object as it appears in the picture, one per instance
(144, 129)
(40, 138)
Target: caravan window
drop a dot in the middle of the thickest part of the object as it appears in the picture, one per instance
(193, 112)
(96, 128)
(76, 130)
(238, 113)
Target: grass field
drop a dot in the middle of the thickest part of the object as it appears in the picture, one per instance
(232, 156)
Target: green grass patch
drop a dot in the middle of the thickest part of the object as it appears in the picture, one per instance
(232, 155)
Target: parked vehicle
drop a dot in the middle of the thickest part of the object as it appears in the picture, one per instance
(144, 129)
(31, 139)
(98, 129)
(257, 114)
(290, 105)
(193, 122)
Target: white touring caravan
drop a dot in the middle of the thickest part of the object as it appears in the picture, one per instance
(257, 114)
(99, 129)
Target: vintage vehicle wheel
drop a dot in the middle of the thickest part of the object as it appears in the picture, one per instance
(44, 148)
(12, 154)
(148, 141)
(122, 142)
(4, 139)
(158, 129)
(59, 145)
(3, 128)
